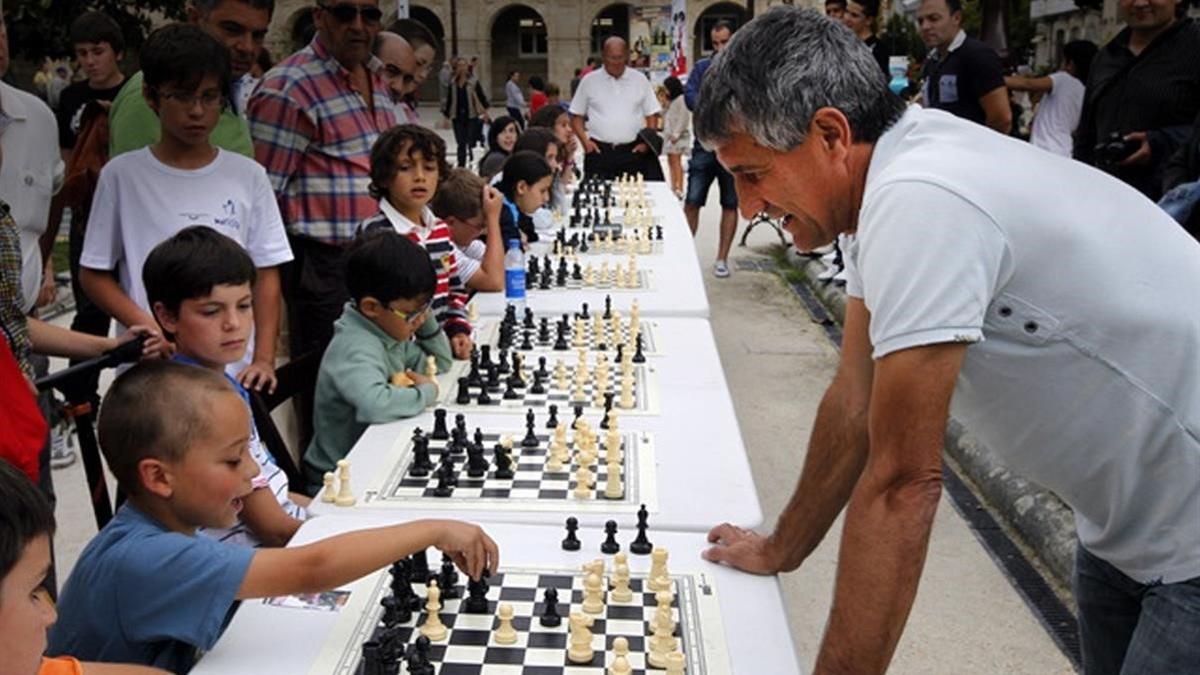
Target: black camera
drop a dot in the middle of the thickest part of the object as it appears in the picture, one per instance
(1115, 148)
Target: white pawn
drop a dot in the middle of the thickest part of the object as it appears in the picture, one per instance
(431, 369)
(329, 495)
(583, 489)
(612, 447)
(676, 663)
(627, 401)
(505, 634)
(593, 599)
(621, 591)
(660, 578)
(345, 496)
(620, 664)
(580, 639)
(613, 487)
(433, 628)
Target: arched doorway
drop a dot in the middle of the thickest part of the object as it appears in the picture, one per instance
(303, 29)
(520, 43)
(426, 17)
(612, 20)
(711, 16)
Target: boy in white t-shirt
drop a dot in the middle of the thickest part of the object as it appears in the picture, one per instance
(471, 209)
(145, 196)
(1062, 98)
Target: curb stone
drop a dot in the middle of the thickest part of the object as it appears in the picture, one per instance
(1044, 522)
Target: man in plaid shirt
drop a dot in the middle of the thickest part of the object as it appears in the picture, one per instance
(314, 119)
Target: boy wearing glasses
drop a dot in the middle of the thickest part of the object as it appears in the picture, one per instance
(145, 196)
(373, 370)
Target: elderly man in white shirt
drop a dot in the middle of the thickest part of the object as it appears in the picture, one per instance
(1078, 370)
(608, 113)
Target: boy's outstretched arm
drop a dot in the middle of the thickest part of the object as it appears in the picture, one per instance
(335, 561)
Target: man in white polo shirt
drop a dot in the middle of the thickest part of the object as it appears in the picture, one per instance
(616, 102)
(977, 286)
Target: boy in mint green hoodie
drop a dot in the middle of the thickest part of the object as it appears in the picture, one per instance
(373, 369)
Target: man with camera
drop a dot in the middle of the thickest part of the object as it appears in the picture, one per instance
(1143, 93)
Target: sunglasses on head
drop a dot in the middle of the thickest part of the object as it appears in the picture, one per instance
(345, 12)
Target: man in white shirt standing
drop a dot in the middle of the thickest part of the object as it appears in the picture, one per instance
(611, 107)
(1062, 98)
(1076, 370)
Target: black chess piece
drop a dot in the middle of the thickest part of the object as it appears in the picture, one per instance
(545, 281)
(504, 469)
(476, 465)
(550, 617)
(583, 312)
(531, 439)
(605, 423)
(553, 421)
(539, 386)
(476, 602)
(518, 378)
(417, 658)
(638, 356)
(464, 394)
(473, 378)
(560, 342)
(641, 545)
(510, 392)
(460, 423)
(577, 273)
(391, 648)
(485, 357)
(532, 269)
(610, 545)
(544, 330)
(541, 369)
(620, 352)
(658, 232)
(607, 307)
(502, 363)
(493, 378)
(448, 579)
(583, 245)
(421, 464)
(578, 416)
(571, 543)
(528, 322)
(440, 432)
(419, 569)
(372, 660)
(483, 398)
(394, 610)
(527, 341)
(402, 580)
(443, 488)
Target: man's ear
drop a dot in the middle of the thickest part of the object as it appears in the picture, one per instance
(831, 129)
(522, 187)
(167, 320)
(151, 97)
(156, 477)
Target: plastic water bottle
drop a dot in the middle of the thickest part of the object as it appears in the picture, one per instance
(514, 276)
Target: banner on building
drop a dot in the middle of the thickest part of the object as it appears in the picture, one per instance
(650, 41)
(679, 38)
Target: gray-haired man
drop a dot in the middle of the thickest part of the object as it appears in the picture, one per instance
(1083, 383)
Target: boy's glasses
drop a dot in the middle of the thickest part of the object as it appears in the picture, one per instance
(209, 99)
(345, 12)
(411, 317)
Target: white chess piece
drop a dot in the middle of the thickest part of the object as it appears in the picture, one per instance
(560, 374)
(627, 391)
(593, 600)
(620, 664)
(676, 663)
(328, 494)
(663, 615)
(505, 634)
(433, 628)
(431, 369)
(582, 488)
(660, 578)
(621, 591)
(472, 313)
(345, 496)
(614, 488)
(580, 640)
(661, 644)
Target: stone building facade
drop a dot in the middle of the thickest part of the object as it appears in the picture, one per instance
(1061, 21)
(550, 38)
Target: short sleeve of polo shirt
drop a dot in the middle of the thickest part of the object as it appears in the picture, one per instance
(985, 73)
(926, 266)
(180, 588)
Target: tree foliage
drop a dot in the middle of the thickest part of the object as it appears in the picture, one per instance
(38, 28)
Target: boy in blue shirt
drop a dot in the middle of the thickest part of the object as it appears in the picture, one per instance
(146, 589)
(373, 369)
(199, 284)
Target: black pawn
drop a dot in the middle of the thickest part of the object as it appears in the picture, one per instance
(421, 464)
(550, 617)
(476, 602)
(473, 378)
(583, 314)
(577, 273)
(552, 423)
(372, 660)
(483, 398)
(539, 386)
(571, 543)
(419, 570)
(479, 437)
(395, 611)
(417, 658)
(620, 352)
(493, 378)
(541, 369)
(502, 363)
(560, 342)
(531, 439)
(527, 341)
(578, 415)
(448, 579)
(610, 545)
(638, 356)
(641, 545)
(544, 330)
(608, 307)
(510, 393)
(444, 488)
(440, 432)
(503, 462)
(464, 394)
(476, 465)
(528, 323)
(485, 358)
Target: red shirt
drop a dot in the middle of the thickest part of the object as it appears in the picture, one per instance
(536, 100)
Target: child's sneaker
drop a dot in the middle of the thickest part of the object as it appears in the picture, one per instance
(720, 269)
(61, 452)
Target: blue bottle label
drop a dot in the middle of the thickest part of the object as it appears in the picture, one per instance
(514, 283)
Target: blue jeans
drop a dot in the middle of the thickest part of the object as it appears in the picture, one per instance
(703, 168)
(1130, 628)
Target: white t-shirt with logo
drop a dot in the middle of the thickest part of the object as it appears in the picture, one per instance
(140, 202)
(1058, 114)
(1081, 371)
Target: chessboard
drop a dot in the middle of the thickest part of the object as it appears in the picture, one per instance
(470, 644)
(565, 273)
(569, 333)
(595, 384)
(522, 476)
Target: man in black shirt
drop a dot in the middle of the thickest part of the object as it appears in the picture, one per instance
(962, 75)
(98, 45)
(1143, 94)
(860, 18)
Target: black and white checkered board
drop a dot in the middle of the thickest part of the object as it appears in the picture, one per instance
(600, 282)
(489, 334)
(532, 487)
(645, 391)
(470, 648)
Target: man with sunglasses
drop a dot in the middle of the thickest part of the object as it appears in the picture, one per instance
(399, 71)
(241, 25)
(314, 119)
